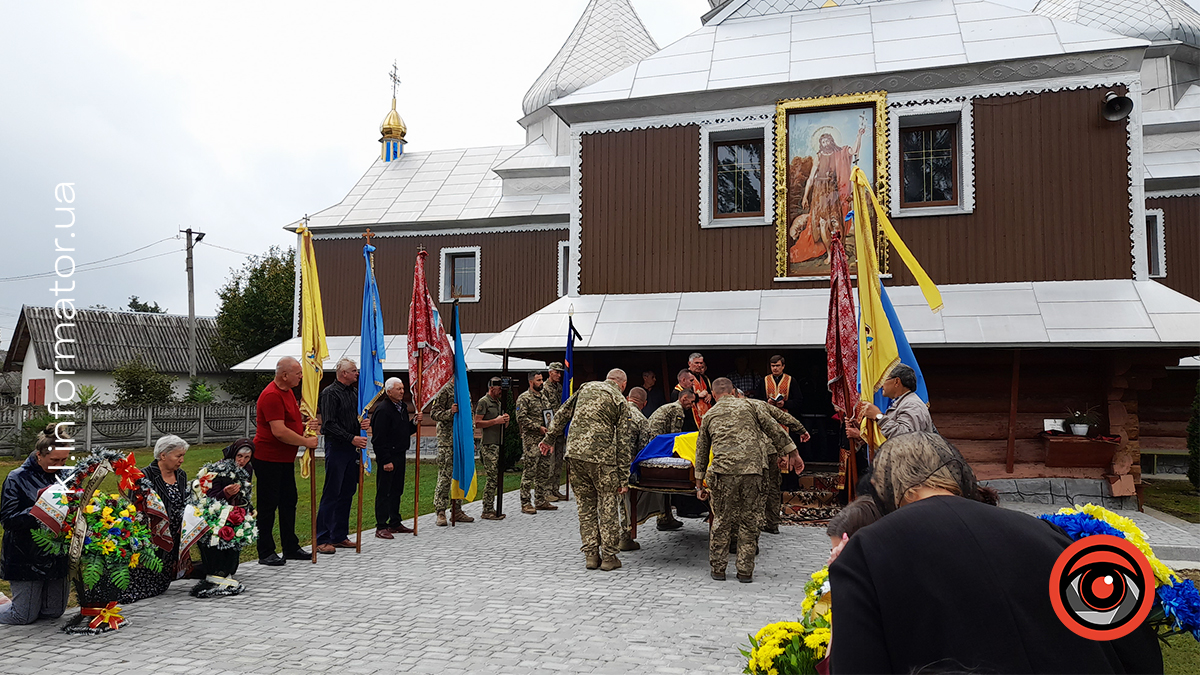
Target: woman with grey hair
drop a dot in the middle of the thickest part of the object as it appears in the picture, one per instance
(944, 577)
(171, 484)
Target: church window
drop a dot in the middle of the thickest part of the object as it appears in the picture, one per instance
(929, 166)
(460, 274)
(1156, 249)
(737, 179)
(564, 265)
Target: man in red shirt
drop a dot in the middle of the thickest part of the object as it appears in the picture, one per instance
(279, 430)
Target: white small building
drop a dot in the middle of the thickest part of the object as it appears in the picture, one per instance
(91, 344)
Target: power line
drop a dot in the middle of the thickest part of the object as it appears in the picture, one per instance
(225, 248)
(90, 266)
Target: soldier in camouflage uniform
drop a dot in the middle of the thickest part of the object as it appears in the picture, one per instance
(669, 419)
(599, 455)
(442, 410)
(730, 457)
(637, 434)
(531, 420)
(552, 392)
(772, 478)
(491, 418)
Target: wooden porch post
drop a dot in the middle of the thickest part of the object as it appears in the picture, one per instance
(1011, 454)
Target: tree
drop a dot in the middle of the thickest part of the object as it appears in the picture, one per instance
(1193, 441)
(255, 315)
(139, 383)
(199, 392)
(136, 305)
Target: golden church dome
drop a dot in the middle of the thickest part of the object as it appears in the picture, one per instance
(393, 127)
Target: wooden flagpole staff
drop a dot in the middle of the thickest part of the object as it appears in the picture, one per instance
(416, 399)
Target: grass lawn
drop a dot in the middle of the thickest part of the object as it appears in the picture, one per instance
(199, 455)
(1176, 497)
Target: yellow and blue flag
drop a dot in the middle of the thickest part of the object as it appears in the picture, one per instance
(462, 478)
(669, 445)
(880, 334)
(372, 348)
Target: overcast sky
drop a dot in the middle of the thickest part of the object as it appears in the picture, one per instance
(238, 118)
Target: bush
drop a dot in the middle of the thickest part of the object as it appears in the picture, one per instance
(199, 392)
(139, 384)
(88, 395)
(32, 427)
(1193, 441)
(245, 387)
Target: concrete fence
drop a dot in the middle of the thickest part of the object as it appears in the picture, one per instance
(119, 427)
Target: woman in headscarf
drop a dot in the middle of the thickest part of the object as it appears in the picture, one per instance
(171, 484)
(951, 580)
(230, 485)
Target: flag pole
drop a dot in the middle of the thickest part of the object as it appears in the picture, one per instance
(417, 467)
(312, 503)
(362, 463)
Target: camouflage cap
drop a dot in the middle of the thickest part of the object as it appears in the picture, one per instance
(558, 365)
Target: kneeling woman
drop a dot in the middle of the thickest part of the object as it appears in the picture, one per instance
(170, 482)
(221, 497)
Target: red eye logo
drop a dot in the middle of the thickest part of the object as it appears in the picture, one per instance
(1102, 587)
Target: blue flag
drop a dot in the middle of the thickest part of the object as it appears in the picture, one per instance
(373, 348)
(906, 353)
(462, 478)
(569, 362)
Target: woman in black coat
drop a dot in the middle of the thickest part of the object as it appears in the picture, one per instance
(391, 429)
(947, 584)
(38, 579)
(171, 484)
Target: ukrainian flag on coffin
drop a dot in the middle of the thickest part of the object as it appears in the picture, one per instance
(667, 445)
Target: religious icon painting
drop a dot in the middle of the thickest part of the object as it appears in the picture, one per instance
(547, 418)
(818, 143)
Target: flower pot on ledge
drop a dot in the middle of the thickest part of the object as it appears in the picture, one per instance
(1079, 429)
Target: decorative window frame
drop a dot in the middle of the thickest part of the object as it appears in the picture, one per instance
(1157, 214)
(725, 131)
(900, 111)
(444, 272)
(564, 263)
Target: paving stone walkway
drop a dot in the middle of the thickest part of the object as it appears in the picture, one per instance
(486, 597)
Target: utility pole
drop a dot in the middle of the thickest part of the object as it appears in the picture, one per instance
(191, 303)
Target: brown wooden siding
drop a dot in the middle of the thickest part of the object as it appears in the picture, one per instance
(1181, 225)
(519, 276)
(1051, 203)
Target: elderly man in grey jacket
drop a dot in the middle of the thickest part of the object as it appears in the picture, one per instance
(907, 414)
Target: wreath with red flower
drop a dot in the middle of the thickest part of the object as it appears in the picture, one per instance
(231, 521)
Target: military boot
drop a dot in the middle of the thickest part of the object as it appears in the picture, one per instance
(628, 544)
(441, 518)
(610, 564)
(457, 515)
(528, 508)
(545, 506)
(593, 561)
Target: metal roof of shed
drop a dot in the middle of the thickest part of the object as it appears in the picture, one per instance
(397, 354)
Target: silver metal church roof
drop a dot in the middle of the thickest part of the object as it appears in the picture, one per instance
(1154, 20)
(397, 354)
(608, 37)
(1117, 312)
(850, 40)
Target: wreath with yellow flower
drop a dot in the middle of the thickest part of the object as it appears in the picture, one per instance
(795, 647)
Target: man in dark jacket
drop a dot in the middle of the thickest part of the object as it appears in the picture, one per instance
(39, 580)
(391, 429)
(344, 441)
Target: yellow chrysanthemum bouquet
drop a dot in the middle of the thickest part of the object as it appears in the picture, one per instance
(795, 647)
